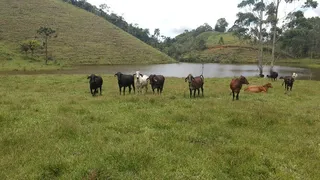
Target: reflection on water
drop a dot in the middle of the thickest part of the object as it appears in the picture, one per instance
(182, 70)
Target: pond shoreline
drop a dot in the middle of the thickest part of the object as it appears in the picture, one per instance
(209, 70)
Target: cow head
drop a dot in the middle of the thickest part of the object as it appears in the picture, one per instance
(118, 74)
(189, 78)
(138, 75)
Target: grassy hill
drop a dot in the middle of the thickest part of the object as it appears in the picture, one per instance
(83, 38)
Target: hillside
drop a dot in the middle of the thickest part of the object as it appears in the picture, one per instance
(231, 51)
(83, 38)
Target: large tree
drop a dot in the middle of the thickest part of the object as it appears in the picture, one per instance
(253, 22)
(46, 33)
(221, 25)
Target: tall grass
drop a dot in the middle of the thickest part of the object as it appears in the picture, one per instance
(52, 128)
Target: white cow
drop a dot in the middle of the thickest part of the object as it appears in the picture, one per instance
(294, 75)
(141, 81)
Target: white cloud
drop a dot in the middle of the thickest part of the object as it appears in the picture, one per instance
(174, 16)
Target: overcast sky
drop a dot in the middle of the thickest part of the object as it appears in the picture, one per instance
(172, 17)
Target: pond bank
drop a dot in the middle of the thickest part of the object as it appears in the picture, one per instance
(179, 70)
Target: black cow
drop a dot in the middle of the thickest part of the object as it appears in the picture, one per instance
(125, 80)
(157, 81)
(288, 82)
(95, 82)
(273, 75)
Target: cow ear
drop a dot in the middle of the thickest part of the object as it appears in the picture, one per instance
(141, 75)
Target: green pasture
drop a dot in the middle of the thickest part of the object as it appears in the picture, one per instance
(52, 128)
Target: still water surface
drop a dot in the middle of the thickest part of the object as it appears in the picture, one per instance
(182, 70)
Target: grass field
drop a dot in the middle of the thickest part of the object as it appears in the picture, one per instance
(52, 128)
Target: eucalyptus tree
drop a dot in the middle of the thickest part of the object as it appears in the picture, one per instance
(251, 23)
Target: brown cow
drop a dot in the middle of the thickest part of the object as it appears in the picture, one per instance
(195, 83)
(257, 89)
(236, 85)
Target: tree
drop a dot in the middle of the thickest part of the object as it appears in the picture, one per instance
(46, 32)
(203, 28)
(24, 46)
(255, 21)
(272, 12)
(104, 8)
(156, 33)
(200, 45)
(221, 25)
(221, 41)
(33, 45)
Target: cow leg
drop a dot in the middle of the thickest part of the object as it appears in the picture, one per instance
(198, 92)
(237, 98)
(95, 91)
(232, 95)
(194, 93)
(161, 90)
(190, 92)
(120, 89)
(124, 90)
(134, 89)
(202, 90)
(129, 89)
(92, 92)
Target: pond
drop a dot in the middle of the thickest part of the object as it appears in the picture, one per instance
(182, 70)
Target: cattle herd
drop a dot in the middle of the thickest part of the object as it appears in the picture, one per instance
(140, 82)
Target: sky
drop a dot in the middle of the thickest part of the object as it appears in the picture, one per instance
(172, 17)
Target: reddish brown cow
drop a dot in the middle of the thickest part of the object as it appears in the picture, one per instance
(257, 89)
(236, 85)
(156, 82)
(195, 83)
